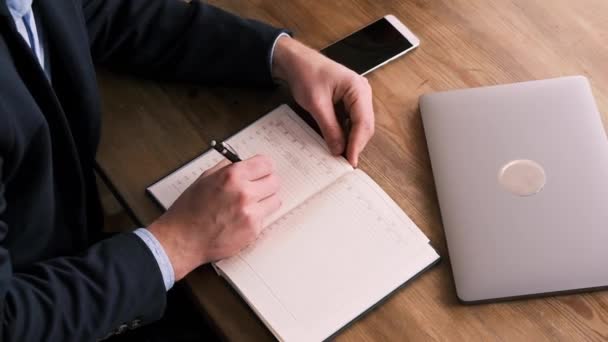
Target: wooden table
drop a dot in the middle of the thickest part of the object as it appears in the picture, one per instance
(150, 128)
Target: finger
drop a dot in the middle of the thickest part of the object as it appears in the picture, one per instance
(360, 107)
(324, 114)
(254, 168)
(264, 187)
(215, 168)
(269, 205)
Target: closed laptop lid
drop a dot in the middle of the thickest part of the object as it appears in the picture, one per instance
(521, 172)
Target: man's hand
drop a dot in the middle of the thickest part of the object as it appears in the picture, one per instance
(317, 83)
(219, 214)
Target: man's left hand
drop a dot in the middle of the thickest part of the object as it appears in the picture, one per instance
(317, 83)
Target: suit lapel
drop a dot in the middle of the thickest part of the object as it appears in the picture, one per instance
(66, 162)
(4, 9)
(73, 73)
(74, 83)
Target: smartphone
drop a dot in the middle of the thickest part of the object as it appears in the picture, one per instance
(373, 46)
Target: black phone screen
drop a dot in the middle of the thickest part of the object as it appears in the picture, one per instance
(368, 47)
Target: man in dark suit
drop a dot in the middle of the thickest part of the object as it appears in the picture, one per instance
(58, 280)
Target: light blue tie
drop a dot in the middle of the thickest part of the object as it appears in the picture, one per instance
(22, 10)
(30, 34)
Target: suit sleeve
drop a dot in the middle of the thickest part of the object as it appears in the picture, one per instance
(179, 40)
(79, 298)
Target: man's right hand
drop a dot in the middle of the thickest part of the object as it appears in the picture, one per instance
(219, 214)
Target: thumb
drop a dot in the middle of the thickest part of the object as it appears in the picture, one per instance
(324, 114)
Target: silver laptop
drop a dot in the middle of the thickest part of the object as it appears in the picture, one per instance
(521, 172)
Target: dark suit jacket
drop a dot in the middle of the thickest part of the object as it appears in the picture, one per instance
(56, 282)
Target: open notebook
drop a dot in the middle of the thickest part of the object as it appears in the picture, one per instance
(338, 245)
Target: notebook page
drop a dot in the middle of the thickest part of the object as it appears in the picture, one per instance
(329, 260)
(302, 159)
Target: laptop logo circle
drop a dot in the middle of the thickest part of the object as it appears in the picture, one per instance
(522, 177)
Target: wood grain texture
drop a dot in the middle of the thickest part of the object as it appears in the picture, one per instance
(151, 128)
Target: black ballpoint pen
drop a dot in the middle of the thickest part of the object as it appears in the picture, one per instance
(225, 150)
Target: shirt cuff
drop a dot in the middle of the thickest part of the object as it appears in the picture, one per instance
(274, 45)
(166, 269)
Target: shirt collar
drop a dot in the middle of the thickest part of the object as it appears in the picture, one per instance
(19, 8)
